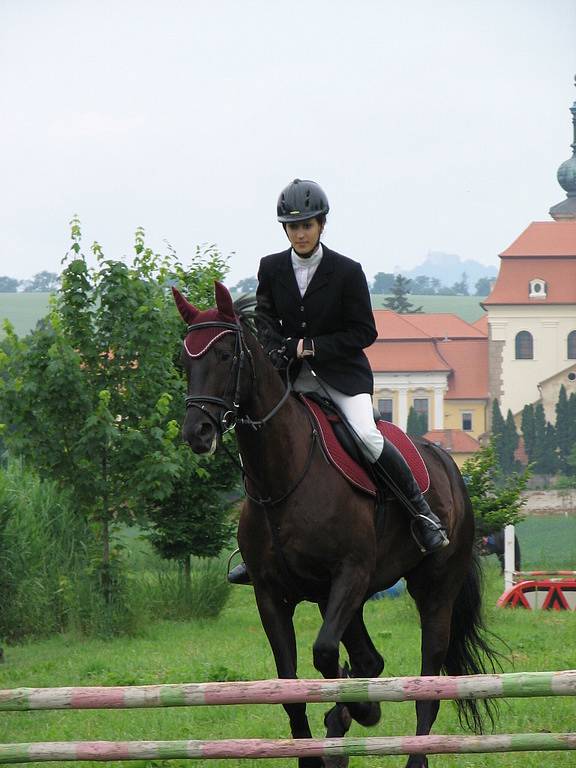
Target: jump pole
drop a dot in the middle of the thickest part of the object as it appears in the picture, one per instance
(268, 748)
(507, 685)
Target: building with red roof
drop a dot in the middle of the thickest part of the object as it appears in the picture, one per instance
(531, 311)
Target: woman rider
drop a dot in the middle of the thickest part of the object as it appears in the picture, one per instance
(318, 303)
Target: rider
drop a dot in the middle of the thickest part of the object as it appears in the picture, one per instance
(318, 303)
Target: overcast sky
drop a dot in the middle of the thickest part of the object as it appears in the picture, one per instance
(431, 125)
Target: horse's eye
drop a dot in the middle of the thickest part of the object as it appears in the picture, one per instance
(224, 355)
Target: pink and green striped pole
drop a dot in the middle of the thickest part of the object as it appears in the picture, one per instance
(269, 748)
(513, 685)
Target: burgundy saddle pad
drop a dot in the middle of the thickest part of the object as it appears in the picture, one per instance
(349, 468)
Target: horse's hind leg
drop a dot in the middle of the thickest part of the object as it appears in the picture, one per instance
(276, 617)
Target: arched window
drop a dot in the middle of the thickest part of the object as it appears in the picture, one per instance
(571, 345)
(524, 346)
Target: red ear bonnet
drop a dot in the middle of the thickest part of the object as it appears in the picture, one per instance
(199, 340)
(187, 310)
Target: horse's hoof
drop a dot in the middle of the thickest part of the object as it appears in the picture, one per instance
(366, 713)
(336, 761)
(337, 721)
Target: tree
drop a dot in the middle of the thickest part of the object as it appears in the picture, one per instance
(92, 398)
(484, 286)
(383, 282)
(511, 441)
(247, 285)
(545, 447)
(528, 430)
(496, 503)
(460, 288)
(43, 282)
(505, 439)
(564, 429)
(423, 285)
(417, 422)
(398, 301)
(8, 284)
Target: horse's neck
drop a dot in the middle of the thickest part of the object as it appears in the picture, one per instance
(275, 452)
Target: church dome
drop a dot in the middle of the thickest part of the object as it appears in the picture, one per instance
(567, 176)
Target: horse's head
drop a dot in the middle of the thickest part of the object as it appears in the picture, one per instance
(214, 356)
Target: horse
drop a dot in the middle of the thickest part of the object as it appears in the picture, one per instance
(306, 533)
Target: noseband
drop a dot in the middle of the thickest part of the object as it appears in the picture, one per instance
(229, 415)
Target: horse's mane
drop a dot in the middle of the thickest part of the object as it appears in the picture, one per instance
(258, 323)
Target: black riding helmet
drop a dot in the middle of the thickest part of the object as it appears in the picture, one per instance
(301, 200)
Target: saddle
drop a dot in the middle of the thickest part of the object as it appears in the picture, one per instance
(342, 451)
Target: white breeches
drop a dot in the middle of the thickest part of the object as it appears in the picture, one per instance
(357, 410)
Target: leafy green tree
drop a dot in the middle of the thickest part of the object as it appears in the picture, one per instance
(417, 423)
(398, 302)
(423, 285)
(511, 443)
(460, 288)
(496, 503)
(484, 285)
(43, 282)
(8, 284)
(93, 398)
(383, 282)
(247, 285)
(194, 520)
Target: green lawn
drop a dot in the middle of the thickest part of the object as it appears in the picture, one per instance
(233, 647)
(466, 307)
(23, 310)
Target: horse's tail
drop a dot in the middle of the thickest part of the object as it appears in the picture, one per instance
(469, 652)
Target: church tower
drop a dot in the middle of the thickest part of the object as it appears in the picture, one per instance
(532, 308)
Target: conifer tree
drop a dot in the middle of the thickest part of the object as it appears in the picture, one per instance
(417, 422)
(528, 430)
(510, 443)
(398, 301)
(564, 429)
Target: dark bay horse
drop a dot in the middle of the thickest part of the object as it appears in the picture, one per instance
(306, 534)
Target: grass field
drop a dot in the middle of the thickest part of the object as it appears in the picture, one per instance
(466, 307)
(23, 310)
(233, 647)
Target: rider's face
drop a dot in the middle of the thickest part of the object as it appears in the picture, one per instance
(304, 235)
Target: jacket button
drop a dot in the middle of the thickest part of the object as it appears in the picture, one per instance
(301, 309)
(303, 325)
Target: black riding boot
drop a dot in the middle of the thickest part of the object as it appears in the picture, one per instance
(239, 575)
(427, 530)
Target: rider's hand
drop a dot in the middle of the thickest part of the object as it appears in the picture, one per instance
(286, 351)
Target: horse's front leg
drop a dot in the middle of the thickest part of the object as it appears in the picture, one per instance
(277, 620)
(346, 597)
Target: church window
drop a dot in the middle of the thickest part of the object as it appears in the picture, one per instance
(467, 421)
(524, 346)
(571, 351)
(537, 289)
(420, 405)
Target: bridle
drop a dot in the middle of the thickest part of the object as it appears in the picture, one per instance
(229, 414)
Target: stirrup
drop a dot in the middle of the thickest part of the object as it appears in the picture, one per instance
(443, 542)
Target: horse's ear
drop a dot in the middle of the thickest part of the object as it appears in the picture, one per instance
(224, 300)
(187, 310)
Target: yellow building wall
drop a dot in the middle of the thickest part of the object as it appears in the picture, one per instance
(460, 458)
(453, 410)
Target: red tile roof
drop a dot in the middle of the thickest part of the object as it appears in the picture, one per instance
(391, 325)
(512, 283)
(453, 440)
(482, 324)
(468, 360)
(444, 325)
(544, 238)
(405, 356)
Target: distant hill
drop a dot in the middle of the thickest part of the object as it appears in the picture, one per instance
(448, 268)
(23, 310)
(466, 307)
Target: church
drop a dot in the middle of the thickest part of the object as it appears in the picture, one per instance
(522, 351)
